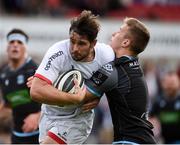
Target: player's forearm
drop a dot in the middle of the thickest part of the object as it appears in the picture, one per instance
(45, 93)
(89, 96)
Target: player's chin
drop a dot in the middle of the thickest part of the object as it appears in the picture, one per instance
(77, 58)
(14, 57)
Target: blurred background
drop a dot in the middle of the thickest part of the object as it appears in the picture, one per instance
(48, 21)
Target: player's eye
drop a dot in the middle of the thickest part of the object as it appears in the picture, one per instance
(81, 43)
(11, 42)
(19, 42)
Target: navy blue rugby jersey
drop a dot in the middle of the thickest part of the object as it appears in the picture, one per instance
(123, 83)
(15, 92)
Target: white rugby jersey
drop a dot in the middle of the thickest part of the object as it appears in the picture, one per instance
(58, 60)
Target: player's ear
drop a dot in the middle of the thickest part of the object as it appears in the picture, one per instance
(126, 43)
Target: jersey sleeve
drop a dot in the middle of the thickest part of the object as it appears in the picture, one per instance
(103, 80)
(51, 65)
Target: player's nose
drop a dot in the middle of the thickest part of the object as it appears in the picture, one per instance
(113, 34)
(75, 48)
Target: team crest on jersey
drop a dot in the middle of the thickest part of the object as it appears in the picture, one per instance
(3, 75)
(108, 67)
(20, 79)
(177, 105)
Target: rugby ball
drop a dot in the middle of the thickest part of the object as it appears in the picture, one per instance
(65, 82)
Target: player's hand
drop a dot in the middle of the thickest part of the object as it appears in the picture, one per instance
(80, 93)
(29, 81)
(157, 126)
(88, 105)
(31, 122)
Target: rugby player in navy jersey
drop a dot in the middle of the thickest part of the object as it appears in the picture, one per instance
(13, 77)
(122, 81)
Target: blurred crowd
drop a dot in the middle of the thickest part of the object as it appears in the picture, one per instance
(148, 9)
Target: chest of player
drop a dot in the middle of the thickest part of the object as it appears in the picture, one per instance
(169, 111)
(12, 81)
(14, 88)
(87, 69)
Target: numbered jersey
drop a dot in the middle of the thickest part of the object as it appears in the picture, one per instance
(58, 60)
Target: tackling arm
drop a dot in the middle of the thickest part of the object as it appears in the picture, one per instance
(102, 81)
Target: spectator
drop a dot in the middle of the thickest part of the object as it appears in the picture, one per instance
(166, 110)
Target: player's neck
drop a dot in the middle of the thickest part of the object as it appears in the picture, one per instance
(122, 52)
(90, 57)
(15, 64)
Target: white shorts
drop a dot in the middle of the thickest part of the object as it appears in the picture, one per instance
(70, 130)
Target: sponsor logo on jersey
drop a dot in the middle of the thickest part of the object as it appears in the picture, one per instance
(3, 75)
(98, 78)
(53, 57)
(134, 64)
(63, 135)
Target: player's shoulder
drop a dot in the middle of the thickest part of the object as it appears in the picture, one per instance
(104, 51)
(4, 68)
(31, 63)
(58, 49)
(60, 45)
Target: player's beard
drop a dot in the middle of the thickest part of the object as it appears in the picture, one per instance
(78, 57)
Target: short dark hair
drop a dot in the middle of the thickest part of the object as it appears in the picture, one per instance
(86, 24)
(19, 31)
(139, 34)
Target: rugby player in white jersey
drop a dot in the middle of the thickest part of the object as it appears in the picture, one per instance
(62, 121)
